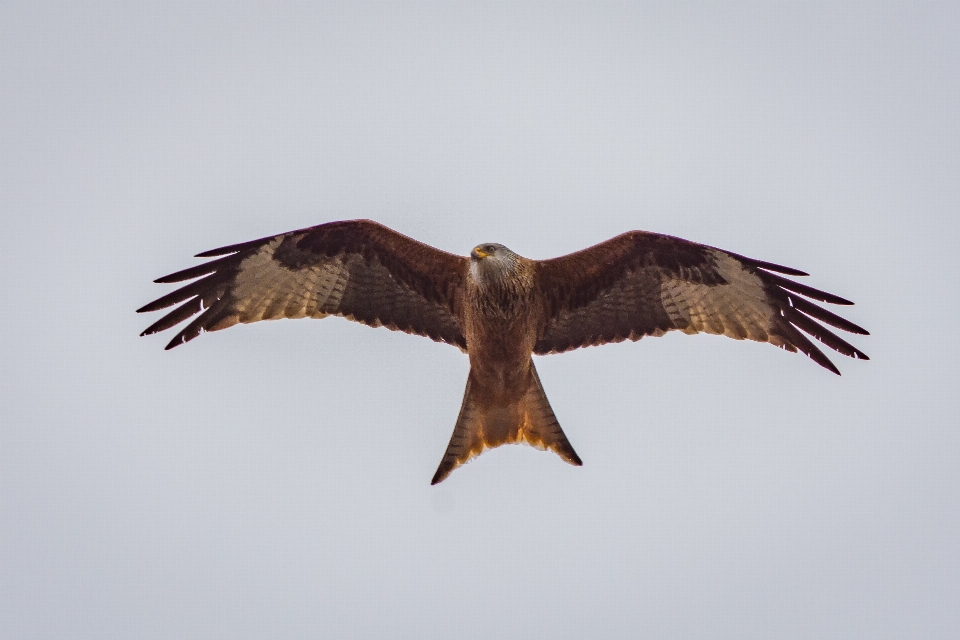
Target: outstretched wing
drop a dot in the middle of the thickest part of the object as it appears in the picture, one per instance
(645, 284)
(358, 269)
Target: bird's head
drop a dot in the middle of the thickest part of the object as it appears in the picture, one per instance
(488, 251)
(491, 261)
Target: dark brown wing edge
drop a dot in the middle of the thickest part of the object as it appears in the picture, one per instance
(431, 273)
(572, 282)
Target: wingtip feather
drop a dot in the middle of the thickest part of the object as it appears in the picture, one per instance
(169, 278)
(805, 290)
(232, 248)
(768, 266)
(826, 363)
(186, 274)
(778, 268)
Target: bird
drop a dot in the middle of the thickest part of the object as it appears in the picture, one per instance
(501, 308)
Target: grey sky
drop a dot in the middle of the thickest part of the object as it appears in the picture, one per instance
(244, 486)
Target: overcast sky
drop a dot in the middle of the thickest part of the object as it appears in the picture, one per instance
(272, 480)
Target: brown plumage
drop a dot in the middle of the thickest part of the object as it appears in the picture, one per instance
(501, 308)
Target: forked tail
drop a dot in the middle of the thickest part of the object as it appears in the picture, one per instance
(481, 427)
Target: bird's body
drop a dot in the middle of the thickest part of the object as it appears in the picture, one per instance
(502, 314)
(503, 320)
(501, 308)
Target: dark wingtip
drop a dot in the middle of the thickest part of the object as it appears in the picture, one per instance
(779, 268)
(152, 306)
(824, 362)
(827, 364)
(233, 248)
(805, 290)
(186, 274)
(769, 266)
(827, 297)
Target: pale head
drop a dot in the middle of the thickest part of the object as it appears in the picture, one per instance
(492, 262)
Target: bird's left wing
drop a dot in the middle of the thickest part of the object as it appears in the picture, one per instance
(645, 284)
(358, 269)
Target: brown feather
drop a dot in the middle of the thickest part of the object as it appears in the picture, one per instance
(501, 308)
(803, 289)
(183, 293)
(650, 284)
(804, 305)
(220, 266)
(769, 266)
(358, 269)
(484, 424)
(796, 341)
(823, 334)
(175, 317)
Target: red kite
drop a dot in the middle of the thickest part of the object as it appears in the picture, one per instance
(501, 308)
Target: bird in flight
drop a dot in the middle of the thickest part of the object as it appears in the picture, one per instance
(501, 308)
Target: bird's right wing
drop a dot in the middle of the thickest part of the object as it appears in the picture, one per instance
(357, 269)
(645, 284)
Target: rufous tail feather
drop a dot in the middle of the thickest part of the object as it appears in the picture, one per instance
(479, 428)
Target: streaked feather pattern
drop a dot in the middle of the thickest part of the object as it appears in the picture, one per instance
(357, 269)
(643, 284)
(502, 308)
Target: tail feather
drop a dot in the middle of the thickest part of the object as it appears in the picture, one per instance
(541, 428)
(479, 428)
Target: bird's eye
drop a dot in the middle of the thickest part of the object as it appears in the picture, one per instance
(489, 249)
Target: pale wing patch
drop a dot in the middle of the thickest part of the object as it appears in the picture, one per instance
(266, 290)
(738, 309)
